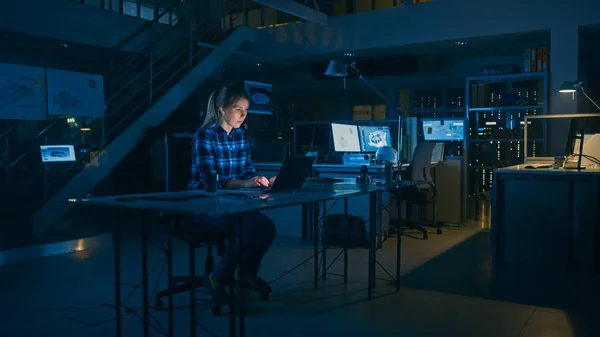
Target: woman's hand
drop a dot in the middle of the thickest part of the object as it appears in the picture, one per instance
(272, 180)
(256, 181)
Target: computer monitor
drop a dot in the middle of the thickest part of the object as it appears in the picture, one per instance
(443, 129)
(57, 153)
(570, 148)
(372, 138)
(345, 137)
(591, 149)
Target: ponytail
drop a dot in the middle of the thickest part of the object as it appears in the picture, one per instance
(211, 110)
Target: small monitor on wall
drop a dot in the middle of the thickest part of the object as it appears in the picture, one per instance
(259, 95)
(345, 137)
(57, 153)
(443, 129)
(372, 138)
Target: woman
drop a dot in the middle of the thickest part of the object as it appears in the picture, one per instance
(221, 147)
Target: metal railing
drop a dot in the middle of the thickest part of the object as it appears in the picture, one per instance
(112, 76)
(144, 78)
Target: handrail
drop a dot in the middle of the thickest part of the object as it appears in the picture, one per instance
(122, 119)
(31, 149)
(7, 130)
(118, 46)
(153, 70)
(117, 69)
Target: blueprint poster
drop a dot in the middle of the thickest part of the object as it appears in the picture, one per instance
(22, 92)
(260, 97)
(75, 94)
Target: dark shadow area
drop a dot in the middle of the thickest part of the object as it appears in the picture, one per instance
(467, 270)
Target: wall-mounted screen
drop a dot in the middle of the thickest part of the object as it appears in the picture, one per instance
(260, 97)
(372, 138)
(345, 137)
(57, 153)
(443, 129)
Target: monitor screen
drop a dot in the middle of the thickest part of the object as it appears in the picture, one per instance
(57, 153)
(372, 138)
(260, 97)
(345, 138)
(443, 129)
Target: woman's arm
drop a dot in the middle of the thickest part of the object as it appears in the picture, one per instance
(249, 170)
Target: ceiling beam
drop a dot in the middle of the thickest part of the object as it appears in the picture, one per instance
(296, 9)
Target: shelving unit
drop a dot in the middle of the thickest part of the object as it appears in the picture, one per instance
(496, 107)
(440, 103)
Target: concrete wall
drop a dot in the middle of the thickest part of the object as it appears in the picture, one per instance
(449, 21)
(431, 22)
(73, 22)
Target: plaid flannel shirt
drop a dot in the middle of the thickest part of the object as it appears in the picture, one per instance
(214, 151)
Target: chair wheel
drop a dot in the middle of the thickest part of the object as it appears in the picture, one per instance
(439, 231)
(425, 236)
(216, 310)
(159, 305)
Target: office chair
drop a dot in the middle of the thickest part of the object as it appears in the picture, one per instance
(420, 169)
(205, 237)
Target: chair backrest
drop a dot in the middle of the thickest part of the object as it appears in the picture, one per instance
(421, 162)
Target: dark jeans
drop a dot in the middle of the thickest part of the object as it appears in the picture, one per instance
(258, 233)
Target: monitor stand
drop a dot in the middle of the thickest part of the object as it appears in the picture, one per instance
(356, 158)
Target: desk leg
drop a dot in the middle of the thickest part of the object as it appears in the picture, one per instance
(170, 276)
(324, 251)
(240, 288)
(192, 272)
(347, 225)
(399, 239)
(117, 262)
(230, 248)
(315, 232)
(145, 285)
(372, 244)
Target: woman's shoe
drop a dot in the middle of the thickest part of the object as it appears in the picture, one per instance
(257, 284)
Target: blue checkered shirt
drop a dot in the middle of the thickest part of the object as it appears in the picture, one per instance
(214, 151)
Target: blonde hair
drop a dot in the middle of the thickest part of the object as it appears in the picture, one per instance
(212, 115)
(223, 98)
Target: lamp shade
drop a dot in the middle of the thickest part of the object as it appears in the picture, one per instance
(336, 69)
(568, 86)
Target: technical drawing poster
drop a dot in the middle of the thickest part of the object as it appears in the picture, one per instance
(22, 92)
(75, 94)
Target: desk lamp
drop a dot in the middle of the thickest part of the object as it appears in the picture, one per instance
(339, 69)
(572, 88)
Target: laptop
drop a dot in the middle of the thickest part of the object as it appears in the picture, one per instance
(291, 176)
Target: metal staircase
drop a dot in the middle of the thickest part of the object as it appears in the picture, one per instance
(147, 88)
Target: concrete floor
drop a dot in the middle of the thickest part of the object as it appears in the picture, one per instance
(450, 288)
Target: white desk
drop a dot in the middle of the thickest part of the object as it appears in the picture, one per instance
(546, 217)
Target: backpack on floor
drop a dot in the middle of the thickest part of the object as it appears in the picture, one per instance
(336, 233)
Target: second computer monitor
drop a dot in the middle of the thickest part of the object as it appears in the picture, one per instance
(372, 138)
(443, 129)
(345, 137)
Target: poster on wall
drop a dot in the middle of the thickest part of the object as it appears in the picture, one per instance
(260, 97)
(75, 94)
(22, 92)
